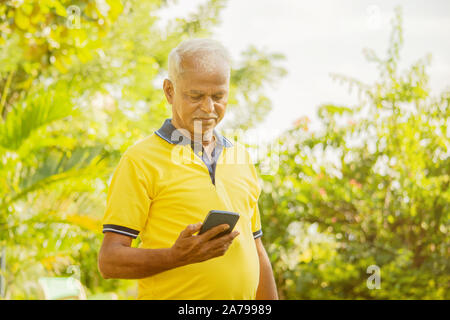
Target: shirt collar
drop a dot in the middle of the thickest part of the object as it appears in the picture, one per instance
(167, 132)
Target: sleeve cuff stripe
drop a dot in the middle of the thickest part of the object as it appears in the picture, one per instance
(121, 232)
(119, 229)
(257, 234)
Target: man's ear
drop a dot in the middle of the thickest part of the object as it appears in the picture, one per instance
(169, 90)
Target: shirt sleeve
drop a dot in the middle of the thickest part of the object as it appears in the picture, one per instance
(256, 191)
(256, 223)
(128, 202)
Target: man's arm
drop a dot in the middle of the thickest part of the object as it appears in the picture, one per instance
(117, 259)
(267, 289)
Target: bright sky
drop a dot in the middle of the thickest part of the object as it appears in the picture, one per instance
(326, 36)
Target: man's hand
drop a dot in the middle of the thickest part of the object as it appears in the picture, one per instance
(117, 259)
(190, 248)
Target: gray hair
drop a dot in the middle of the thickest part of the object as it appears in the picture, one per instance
(200, 47)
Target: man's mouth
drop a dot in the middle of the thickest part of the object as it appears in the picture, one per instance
(205, 119)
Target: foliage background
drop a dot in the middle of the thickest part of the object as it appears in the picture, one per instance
(371, 187)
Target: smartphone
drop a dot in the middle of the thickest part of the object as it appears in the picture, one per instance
(218, 217)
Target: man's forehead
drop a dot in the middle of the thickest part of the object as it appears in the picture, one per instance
(200, 91)
(204, 63)
(201, 80)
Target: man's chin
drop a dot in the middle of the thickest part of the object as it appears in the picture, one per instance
(203, 132)
(204, 125)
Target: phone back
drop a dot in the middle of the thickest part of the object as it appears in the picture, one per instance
(215, 218)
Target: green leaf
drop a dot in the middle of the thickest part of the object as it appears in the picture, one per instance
(21, 20)
(37, 110)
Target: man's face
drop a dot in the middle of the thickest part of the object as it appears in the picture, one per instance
(200, 95)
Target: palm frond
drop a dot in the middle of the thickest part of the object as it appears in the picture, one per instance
(35, 111)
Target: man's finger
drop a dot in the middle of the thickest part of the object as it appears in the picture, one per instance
(234, 234)
(222, 244)
(214, 231)
(190, 230)
(228, 238)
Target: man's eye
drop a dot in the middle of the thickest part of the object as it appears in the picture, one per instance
(218, 97)
(196, 97)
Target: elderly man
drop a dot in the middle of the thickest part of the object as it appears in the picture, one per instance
(166, 184)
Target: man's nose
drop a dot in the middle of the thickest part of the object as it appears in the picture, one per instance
(208, 105)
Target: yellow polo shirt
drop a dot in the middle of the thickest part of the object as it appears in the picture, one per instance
(160, 187)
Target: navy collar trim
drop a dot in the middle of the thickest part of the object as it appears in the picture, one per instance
(167, 130)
